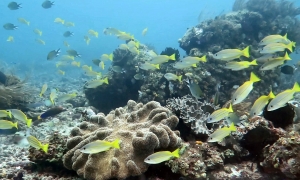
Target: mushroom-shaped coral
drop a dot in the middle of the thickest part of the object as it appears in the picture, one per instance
(142, 129)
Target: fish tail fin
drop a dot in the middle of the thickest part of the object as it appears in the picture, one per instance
(246, 52)
(296, 87)
(179, 78)
(105, 80)
(15, 124)
(286, 56)
(271, 95)
(230, 108)
(194, 65)
(137, 44)
(45, 147)
(157, 66)
(172, 57)
(116, 144)
(253, 62)
(29, 122)
(78, 64)
(203, 58)
(254, 78)
(28, 23)
(39, 118)
(290, 46)
(111, 56)
(285, 37)
(232, 127)
(96, 34)
(63, 22)
(176, 153)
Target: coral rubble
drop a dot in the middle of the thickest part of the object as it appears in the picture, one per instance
(142, 130)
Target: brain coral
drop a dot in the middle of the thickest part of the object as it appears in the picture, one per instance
(142, 129)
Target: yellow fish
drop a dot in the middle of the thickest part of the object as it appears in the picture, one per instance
(87, 68)
(34, 142)
(52, 96)
(243, 91)
(220, 114)
(87, 39)
(99, 146)
(44, 89)
(66, 97)
(148, 66)
(66, 44)
(4, 124)
(75, 63)
(101, 65)
(271, 65)
(282, 98)
(123, 46)
(59, 20)
(277, 47)
(18, 114)
(40, 41)
(125, 36)
(106, 57)
(144, 32)
(93, 33)
(5, 113)
(236, 66)
(274, 39)
(10, 39)
(24, 21)
(69, 24)
(220, 134)
(92, 73)
(38, 32)
(161, 156)
(183, 65)
(97, 82)
(231, 54)
(61, 72)
(112, 31)
(260, 104)
(162, 59)
(194, 60)
(134, 50)
(67, 58)
(172, 77)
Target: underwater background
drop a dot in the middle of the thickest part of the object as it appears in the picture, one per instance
(158, 90)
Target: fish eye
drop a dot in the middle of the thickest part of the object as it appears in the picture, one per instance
(210, 118)
(235, 99)
(83, 148)
(271, 106)
(254, 113)
(148, 159)
(216, 54)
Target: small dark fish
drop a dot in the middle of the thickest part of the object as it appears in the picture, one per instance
(9, 26)
(68, 34)
(51, 112)
(96, 62)
(287, 69)
(52, 54)
(194, 89)
(14, 6)
(47, 4)
(73, 53)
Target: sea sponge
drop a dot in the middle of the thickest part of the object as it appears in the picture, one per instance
(142, 130)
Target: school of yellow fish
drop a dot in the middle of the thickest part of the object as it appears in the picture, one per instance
(270, 46)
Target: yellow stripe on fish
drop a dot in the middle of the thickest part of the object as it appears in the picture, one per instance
(100, 146)
(220, 134)
(236, 66)
(283, 98)
(34, 142)
(277, 38)
(4, 124)
(220, 114)
(161, 156)
(231, 54)
(243, 91)
(260, 104)
(277, 47)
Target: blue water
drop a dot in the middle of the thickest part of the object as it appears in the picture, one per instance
(166, 21)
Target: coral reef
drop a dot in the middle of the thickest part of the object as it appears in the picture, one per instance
(14, 93)
(142, 130)
(283, 157)
(194, 113)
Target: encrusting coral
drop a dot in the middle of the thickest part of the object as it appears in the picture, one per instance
(142, 130)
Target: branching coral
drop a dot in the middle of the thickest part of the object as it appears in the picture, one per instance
(142, 129)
